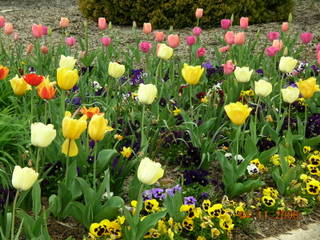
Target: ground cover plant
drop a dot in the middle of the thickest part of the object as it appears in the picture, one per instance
(136, 141)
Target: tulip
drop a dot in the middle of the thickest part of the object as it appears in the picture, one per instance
(224, 49)
(33, 79)
(70, 41)
(90, 111)
(164, 52)
(42, 135)
(8, 28)
(244, 22)
(173, 40)
(308, 87)
(318, 48)
(190, 40)
(29, 48)
(228, 67)
(147, 28)
(19, 86)
(287, 64)
(290, 94)
(271, 51)
(149, 171)
(200, 52)
(67, 62)
(278, 44)
(116, 70)
(23, 178)
(44, 30)
(72, 129)
(98, 126)
(240, 38)
(229, 38)
(285, 26)
(192, 74)
(67, 78)
(199, 13)
(4, 71)
(2, 21)
(37, 30)
(147, 93)
(243, 74)
(106, 41)
(44, 49)
(306, 37)
(64, 22)
(102, 23)
(47, 91)
(273, 35)
(262, 88)
(196, 31)
(225, 23)
(159, 36)
(145, 46)
(237, 112)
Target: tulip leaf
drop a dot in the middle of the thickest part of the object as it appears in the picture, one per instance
(104, 159)
(150, 221)
(36, 198)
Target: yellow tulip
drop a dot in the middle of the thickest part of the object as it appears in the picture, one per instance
(98, 126)
(19, 86)
(290, 94)
(72, 129)
(308, 87)
(149, 171)
(116, 70)
(287, 64)
(67, 62)
(164, 52)
(67, 78)
(192, 74)
(23, 178)
(237, 112)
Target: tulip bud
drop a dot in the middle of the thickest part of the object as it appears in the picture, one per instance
(277, 44)
(23, 178)
(199, 13)
(271, 51)
(29, 48)
(147, 28)
(197, 31)
(237, 112)
(97, 127)
(64, 22)
(192, 74)
(110, 25)
(16, 36)
(290, 18)
(37, 30)
(147, 93)
(285, 26)
(224, 49)
(200, 52)
(273, 35)
(102, 23)
(306, 37)
(287, 64)
(164, 52)
(134, 25)
(159, 36)
(44, 30)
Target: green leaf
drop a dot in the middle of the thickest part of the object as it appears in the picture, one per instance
(104, 159)
(149, 222)
(36, 198)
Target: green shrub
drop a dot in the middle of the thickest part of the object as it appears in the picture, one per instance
(180, 13)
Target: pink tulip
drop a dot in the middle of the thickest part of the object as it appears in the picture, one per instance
(70, 41)
(64, 22)
(199, 13)
(44, 30)
(201, 52)
(225, 23)
(147, 28)
(16, 36)
(318, 61)
(145, 46)
(229, 38)
(271, 51)
(224, 49)
(244, 22)
(273, 35)
(285, 26)
(306, 37)
(8, 28)
(44, 49)
(191, 40)
(106, 41)
(228, 67)
(37, 30)
(197, 31)
(159, 36)
(173, 40)
(318, 57)
(278, 44)
(240, 38)
(102, 23)
(2, 21)
(318, 48)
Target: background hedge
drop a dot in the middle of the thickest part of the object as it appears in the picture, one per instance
(180, 13)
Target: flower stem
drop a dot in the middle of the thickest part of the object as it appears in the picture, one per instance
(280, 97)
(63, 97)
(67, 160)
(38, 159)
(190, 101)
(142, 127)
(14, 214)
(95, 164)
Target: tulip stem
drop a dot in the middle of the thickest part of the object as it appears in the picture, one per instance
(256, 113)
(14, 214)
(237, 139)
(67, 160)
(280, 100)
(63, 97)
(142, 127)
(289, 126)
(190, 101)
(38, 159)
(95, 164)
(31, 115)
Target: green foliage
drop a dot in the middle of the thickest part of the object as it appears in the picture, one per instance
(180, 13)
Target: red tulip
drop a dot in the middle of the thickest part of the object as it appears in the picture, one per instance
(33, 79)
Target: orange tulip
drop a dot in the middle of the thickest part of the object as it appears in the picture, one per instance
(147, 28)
(47, 91)
(90, 112)
(173, 40)
(4, 71)
(159, 36)
(199, 13)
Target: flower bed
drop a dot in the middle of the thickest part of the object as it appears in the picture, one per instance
(134, 141)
